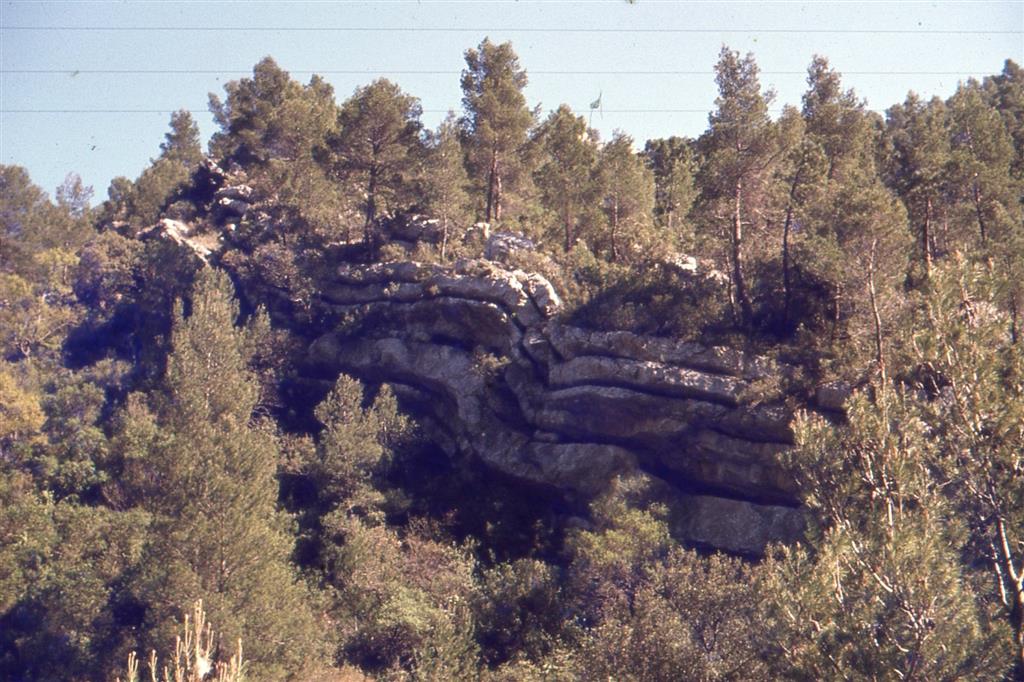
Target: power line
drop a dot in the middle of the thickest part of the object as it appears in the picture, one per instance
(447, 72)
(495, 2)
(425, 111)
(514, 29)
(578, 110)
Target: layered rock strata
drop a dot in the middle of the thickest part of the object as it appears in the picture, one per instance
(482, 350)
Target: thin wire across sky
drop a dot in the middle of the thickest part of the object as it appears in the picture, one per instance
(88, 86)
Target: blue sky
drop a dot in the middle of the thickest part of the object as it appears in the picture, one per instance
(71, 71)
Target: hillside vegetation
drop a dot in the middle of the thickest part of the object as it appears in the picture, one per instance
(164, 438)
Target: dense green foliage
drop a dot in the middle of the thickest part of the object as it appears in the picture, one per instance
(155, 450)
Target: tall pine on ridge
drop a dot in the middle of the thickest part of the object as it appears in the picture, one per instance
(496, 121)
(738, 149)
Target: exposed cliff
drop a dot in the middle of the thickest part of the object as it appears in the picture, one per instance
(497, 374)
(481, 350)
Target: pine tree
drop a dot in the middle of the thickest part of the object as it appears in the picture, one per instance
(38, 240)
(263, 117)
(444, 179)
(276, 130)
(798, 185)
(156, 187)
(350, 451)
(974, 369)
(181, 142)
(869, 232)
(496, 120)
(564, 175)
(30, 223)
(673, 162)
(880, 592)
(1006, 93)
(141, 203)
(836, 119)
(647, 608)
(377, 150)
(207, 473)
(627, 199)
(738, 149)
(981, 160)
(918, 167)
(853, 236)
(73, 196)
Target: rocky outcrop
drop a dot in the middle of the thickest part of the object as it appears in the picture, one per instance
(183, 234)
(499, 377)
(411, 229)
(500, 246)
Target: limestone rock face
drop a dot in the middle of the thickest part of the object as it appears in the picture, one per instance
(503, 380)
(184, 235)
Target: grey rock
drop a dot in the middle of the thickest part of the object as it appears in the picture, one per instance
(500, 245)
(232, 208)
(412, 228)
(736, 525)
(234, 192)
(832, 396)
(732, 464)
(184, 235)
(648, 377)
(572, 342)
(581, 467)
(680, 263)
(480, 349)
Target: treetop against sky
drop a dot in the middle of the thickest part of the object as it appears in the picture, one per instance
(89, 86)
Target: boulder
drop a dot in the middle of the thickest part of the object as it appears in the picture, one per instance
(228, 208)
(832, 396)
(234, 192)
(736, 526)
(500, 245)
(412, 228)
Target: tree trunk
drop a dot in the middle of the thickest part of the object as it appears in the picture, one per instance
(615, 230)
(926, 238)
(1013, 575)
(786, 282)
(787, 290)
(836, 310)
(497, 193)
(444, 236)
(737, 256)
(568, 227)
(1014, 319)
(1017, 622)
(980, 213)
(879, 357)
(371, 206)
(492, 178)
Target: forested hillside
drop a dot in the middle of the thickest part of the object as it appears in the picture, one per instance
(174, 427)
